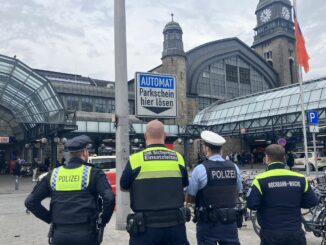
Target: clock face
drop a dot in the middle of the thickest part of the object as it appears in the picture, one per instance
(265, 15)
(286, 13)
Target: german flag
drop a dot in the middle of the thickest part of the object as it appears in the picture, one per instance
(302, 54)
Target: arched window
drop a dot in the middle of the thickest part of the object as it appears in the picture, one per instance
(228, 78)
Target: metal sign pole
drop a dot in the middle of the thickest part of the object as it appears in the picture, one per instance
(121, 100)
(304, 129)
(315, 153)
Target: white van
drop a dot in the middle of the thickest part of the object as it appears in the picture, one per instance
(299, 160)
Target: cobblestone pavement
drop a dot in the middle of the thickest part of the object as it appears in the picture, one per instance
(19, 228)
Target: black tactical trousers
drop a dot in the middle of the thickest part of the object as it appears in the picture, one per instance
(174, 235)
(270, 237)
(209, 233)
(68, 235)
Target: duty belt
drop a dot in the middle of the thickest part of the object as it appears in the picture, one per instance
(74, 227)
(223, 215)
(164, 218)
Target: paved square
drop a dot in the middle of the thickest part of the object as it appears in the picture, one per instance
(19, 228)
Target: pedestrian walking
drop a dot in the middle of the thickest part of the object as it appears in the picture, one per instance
(214, 187)
(155, 178)
(74, 190)
(18, 167)
(278, 196)
(34, 168)
(290, 160)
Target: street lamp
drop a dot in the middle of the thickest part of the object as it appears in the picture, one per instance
(44, 140)
(289, 134)
(56, 140)
(64, 140)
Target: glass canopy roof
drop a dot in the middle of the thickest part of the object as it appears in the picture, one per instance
(285, 100)
(29, 96)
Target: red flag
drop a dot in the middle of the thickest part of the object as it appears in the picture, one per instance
(302, 54)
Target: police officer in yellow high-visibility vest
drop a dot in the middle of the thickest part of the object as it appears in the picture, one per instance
(155, 178)
(74, 190)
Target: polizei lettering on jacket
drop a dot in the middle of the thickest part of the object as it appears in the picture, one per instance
(223, 174)
(69, 178)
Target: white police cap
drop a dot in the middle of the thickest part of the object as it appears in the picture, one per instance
(212, 138)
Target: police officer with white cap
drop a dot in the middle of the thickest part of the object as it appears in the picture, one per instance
(214, 187)
(74, 190)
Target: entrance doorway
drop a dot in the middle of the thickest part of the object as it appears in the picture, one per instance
(2, 162)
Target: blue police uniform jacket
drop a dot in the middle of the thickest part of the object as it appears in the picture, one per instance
(278, 196)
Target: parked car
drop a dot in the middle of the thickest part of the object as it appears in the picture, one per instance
(108, 165)
(299, 161)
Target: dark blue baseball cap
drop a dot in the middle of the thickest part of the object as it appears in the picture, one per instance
(78, 143)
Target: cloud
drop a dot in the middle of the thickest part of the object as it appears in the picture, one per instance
(77, 36)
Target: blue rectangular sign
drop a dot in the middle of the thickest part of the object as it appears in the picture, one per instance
(156, 95)
(156, 81)
(313, 117)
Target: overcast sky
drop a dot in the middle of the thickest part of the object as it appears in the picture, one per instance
(77, 36)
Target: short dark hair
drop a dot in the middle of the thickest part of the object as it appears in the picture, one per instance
(77, 154)
(275, 152)
(214, 148)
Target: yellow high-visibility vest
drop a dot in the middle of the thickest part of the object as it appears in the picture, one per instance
(158, 185)
(74, 179)
(161, 163)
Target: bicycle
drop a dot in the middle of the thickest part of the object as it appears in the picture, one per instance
(315, 219)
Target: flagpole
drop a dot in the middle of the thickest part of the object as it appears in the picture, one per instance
(304, 128)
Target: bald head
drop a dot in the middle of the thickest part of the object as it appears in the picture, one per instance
(155, 132)
(275, 153)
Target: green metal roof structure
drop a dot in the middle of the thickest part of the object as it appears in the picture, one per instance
(276, 109)
(29, 97)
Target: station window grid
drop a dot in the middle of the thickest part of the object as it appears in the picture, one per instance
(277, 102)
(229, 78)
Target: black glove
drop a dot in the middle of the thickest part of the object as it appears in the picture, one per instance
(187, 214)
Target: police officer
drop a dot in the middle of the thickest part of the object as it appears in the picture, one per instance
(214, 187)
(155, 178)
(278, 196)
(74, 190)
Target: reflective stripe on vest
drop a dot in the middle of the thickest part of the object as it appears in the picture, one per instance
(75, 179)
(157, 162)
(278, 173)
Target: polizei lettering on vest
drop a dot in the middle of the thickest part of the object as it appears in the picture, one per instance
(223, 174)
(69, 178)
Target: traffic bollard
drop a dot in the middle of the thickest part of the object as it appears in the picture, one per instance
(17, 183)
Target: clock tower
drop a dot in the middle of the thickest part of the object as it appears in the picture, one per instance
(274, 38)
